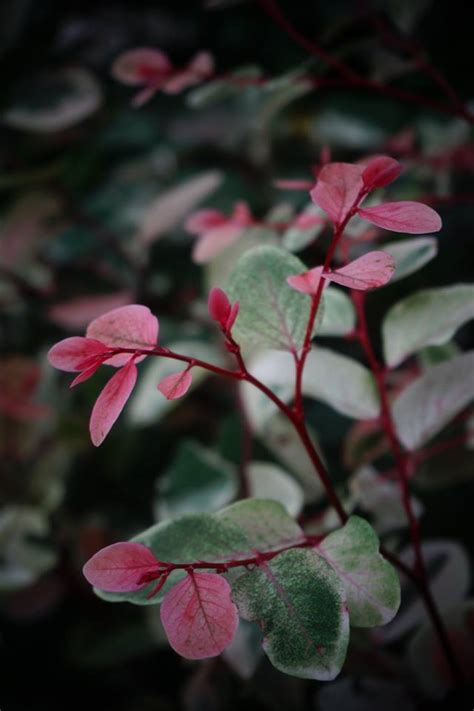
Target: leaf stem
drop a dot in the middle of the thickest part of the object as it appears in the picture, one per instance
(402, 462)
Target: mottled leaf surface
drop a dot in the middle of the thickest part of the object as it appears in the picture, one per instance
(371, 583)
(298, 602)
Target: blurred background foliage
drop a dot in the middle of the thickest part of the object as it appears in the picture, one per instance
(90, 220)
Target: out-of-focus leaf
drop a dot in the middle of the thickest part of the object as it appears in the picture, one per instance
(172, 206)
(449, 578)
(428, 317)
(337, 380)
(433, 399)
(198, 480)
(55, 102)
(269, 481)
(381, 499)
(221, 89)
(426, 657)
(298, 237)
(410, 255)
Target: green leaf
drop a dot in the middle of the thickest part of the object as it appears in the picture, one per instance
(232, 533)
(263, 524)
(298, 602)
(371, 583)
(428, 317)
(197, 481)
(431, 401)
(410, 255)
(272, 314)
(432, 355)
(339, 316)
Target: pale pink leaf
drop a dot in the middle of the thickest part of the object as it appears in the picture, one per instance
(198, 616)
(404, 216)
(337, 189)
(203, 220)
(75, 353)
(119, 567)
(241, 214)
(380, 171)
(306, 220)
(144, 95)
(131, 326)
(195, 72)
(141, 66)
(175, 385)
(307, 282)
(368, 272)
(111, 402)
(202, 64)
(77, 313)
(214, 241)
(295, 184)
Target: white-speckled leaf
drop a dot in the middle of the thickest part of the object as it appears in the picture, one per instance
(272, 314)
(427, 317)
(298, 602)
(430, 402)
(371, 583)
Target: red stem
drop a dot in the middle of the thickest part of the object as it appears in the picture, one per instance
(315, 302)
(351, 78)
(402, 464)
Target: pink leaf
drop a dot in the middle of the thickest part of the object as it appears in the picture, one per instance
(144, 95)
(198, 616)
(78, 312)
(368, 272)
(307, 282)
(405, 216)
(218, 305)
(337, 189)
(241, 214)
(203, 220)
(214, 241)
(234, 312)
(119, 567)
(86, 374)
(221, 310)
(141, 66)
(176, 385)
(126, 327)
(76, 353)
(111, 402)
(196, 71)
(380, 171)
(202, 64)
